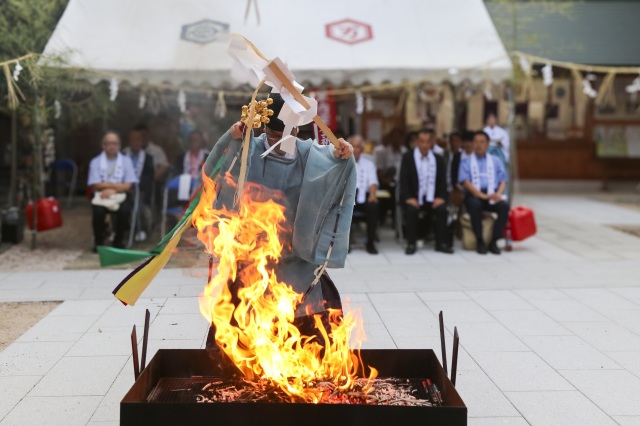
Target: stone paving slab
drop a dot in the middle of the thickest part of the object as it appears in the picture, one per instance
(550, 333)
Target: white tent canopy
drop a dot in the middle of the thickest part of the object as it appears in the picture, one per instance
(184, 42)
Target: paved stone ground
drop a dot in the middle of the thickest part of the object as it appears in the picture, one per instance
(550, 332)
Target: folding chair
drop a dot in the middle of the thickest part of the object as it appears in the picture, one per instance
(172, 185)
(66, 165)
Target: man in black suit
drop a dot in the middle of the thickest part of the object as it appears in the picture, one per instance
(423, 188)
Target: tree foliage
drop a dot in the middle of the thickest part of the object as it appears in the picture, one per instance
(25, 27)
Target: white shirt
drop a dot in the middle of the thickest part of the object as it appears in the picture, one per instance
(367, 176)
(159, 157)
(422, 167)
(94, 177)
(386, 157)
(498, 134)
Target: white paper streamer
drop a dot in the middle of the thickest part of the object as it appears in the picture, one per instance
(547, 75)
(182, 101)
(57, 108)
(588, 89)
(221, 106)
(359, 103)
(142, 101)
(249, 67)
(369, 103)
(634, 87)
(524, 64)
(16, 71)
(113, 89)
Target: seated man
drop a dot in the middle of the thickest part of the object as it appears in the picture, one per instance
(484, 180)
(464, 151)
(423, 187)
(498, 139)
(111, 176)
(366, 201)
(191, 162)
(145, 171)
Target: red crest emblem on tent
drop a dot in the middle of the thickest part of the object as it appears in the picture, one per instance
(349, 31)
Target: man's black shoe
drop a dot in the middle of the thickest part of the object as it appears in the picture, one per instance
(371, 248)
(411, 249)
(444, 248)
(482, 248)
(493, 248)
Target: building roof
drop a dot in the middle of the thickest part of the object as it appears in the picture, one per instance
(587, 32)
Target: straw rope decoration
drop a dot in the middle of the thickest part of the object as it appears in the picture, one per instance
(607, 95)
(14, 94)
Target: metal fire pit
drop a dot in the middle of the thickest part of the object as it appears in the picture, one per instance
(146, 403)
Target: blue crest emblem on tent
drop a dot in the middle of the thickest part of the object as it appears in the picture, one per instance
(203, 32)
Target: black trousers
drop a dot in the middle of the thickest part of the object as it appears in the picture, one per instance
(437, 216)
(475, 206)
(121, 222)
(371, 214)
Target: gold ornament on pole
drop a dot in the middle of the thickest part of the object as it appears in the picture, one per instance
(262, 113)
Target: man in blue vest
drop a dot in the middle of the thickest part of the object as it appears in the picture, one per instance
(484, 180)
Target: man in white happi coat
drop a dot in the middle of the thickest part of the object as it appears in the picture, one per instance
(499, 140)
(484, 179)
(111, 173)
(367, 186)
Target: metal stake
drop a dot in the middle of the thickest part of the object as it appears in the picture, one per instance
(454, 357)
(145, 340)
(443, 344)
(134, 347)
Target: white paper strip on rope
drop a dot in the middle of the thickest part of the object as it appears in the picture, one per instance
(634, 87)
(182, 101)
(113, 89)
(142, 101)
(588, 89)
(369, 103)
(547, 75)
(16, 71)
(57, 109)
(221, 106)
(359, 103)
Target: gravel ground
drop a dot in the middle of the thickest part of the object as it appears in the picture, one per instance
(18, 317)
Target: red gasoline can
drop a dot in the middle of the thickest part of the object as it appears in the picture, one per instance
(522, 224)
(49, 216)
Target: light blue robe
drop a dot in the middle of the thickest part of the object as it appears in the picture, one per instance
(319, 193)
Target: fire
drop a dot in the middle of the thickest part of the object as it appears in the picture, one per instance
(256, 330)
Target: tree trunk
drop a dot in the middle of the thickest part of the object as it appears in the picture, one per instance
(13, 192)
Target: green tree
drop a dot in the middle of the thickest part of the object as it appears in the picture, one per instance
(25, 27)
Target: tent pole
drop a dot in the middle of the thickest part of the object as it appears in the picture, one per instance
(513, 164)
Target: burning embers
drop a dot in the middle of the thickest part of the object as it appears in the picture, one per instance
(390, 391)
(255, 325)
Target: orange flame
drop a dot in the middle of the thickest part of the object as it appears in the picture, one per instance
(257, 331)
